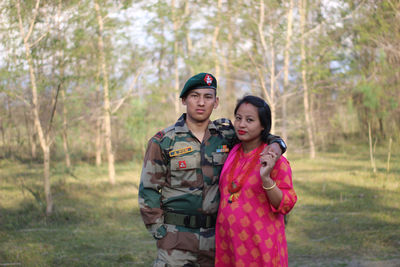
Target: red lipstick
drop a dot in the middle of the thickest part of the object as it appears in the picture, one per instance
(241, 132)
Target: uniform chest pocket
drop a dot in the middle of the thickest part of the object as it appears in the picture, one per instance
(219, 158)
(183, 170)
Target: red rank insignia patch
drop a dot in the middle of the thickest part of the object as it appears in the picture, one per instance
(159, 135)
(182, 164)
(208, 79)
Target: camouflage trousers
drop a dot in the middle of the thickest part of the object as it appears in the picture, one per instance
(181, 258)
(189, 249)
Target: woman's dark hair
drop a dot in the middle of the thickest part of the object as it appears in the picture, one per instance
(264, 113)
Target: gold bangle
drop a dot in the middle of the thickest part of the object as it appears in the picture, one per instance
(269, 188)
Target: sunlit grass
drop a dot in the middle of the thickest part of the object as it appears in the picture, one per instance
(95, 223)
(344, 212)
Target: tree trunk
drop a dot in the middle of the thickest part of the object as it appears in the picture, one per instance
(64, 132)
(99, 141)
(46, 180)
(107, 112)
(389, 153)
(286, 70)
(176, 48)
(272, 80)
(99, 127)
(3, 141)
(176, 79)
(215, 40)
(31, 135)
(33, 144)
(188, 39)
(302, 9)
(263, 71)
(9, 152)
(229, 91)
(371, 153)
(44, 140)
(160, 60)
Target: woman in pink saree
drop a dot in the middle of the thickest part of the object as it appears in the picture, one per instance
(256, 192)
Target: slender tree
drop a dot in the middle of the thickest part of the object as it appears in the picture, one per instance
(214, 48)
(288, 44)
(303, 13)
(107, 110)
(44, 135)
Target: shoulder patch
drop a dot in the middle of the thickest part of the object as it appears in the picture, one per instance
(159, 135)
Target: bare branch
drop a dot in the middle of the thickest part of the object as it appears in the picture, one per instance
(54, 109)
(40, 38)
(260, 77)
(35, 12)
(13, 94)
(21, 28)
(130, 93)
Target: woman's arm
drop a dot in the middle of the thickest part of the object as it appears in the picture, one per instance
(277, 182)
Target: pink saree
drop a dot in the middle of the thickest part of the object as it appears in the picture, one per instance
(249, 230)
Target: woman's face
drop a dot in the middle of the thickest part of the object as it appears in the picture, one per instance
(247, 123)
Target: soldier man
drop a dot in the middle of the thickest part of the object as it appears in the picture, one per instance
(178, 194)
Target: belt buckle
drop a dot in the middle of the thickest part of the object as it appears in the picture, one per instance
(186, 221)
(201, 221)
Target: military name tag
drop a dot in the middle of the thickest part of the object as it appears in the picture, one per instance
(181, 151)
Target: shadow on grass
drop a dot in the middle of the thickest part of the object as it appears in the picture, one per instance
(93, 224)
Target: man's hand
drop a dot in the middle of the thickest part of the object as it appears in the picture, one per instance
(274, 147)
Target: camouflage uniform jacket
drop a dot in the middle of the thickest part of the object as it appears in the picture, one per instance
(183, 181)
(181, 174)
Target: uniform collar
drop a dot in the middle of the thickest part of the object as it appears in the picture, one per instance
(181, 126)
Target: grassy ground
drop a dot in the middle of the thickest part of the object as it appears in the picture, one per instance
(345, 215)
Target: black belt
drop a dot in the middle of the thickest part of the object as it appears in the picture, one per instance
(190, 221)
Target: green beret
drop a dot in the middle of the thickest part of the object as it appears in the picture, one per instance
(201, 80)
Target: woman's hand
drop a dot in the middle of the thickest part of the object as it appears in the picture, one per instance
(268, 160)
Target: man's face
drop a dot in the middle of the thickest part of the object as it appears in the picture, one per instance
(200, 104)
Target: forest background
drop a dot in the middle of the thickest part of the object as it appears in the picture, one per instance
(88, 82)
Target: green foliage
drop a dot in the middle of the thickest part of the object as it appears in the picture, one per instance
(360, 38)
(371, 94)
(136, 125)
(376, 62)
(139, 128)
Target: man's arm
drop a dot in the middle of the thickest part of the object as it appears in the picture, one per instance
(151, 181)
